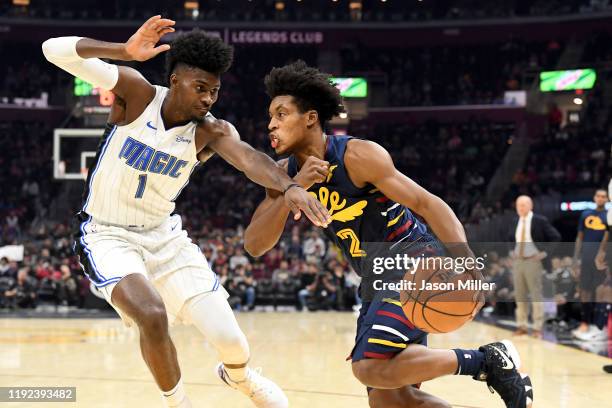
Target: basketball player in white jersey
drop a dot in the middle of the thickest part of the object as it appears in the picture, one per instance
(131, 247)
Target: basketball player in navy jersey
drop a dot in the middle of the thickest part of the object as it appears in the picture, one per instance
(131, 247)
(372, 202)
(592, 227)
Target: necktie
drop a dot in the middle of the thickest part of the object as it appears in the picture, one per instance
(522, 235)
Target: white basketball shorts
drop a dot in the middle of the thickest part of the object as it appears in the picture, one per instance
(165, 255)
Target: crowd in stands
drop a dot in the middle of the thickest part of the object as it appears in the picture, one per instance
(570, 157)
(291, 10)
(560, 290)
(443, 157)
(304, 266)
(27, 186)
(452, 160)
(451, 75)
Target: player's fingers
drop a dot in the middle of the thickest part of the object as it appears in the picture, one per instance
(322, 213)
(319, 212)
(322, 171)
(319, 178)
(311, 216)
(151, 20)
(165, 31)
(165, 22)
(294, 209)
(161, 48)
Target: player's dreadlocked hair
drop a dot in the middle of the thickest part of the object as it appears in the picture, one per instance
(199, 50)
(310, 88)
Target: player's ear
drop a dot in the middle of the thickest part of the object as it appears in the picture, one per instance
(312, 117)
(173, 79)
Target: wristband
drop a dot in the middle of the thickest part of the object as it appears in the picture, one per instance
(291, 186)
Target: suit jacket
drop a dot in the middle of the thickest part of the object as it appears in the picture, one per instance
(544, 235)
(541, 230)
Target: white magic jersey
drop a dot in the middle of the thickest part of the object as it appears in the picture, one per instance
(140, 169)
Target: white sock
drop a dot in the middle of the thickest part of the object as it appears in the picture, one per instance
(236, 374)
(176, 397)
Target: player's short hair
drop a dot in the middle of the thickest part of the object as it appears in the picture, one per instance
(199, 50)
(601, 189)
(310, 88)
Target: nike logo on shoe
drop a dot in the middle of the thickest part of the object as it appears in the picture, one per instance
(509, 364)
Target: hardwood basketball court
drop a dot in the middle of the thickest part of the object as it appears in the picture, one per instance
(303, 352)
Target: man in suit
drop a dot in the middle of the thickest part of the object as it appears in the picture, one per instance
(530, 232)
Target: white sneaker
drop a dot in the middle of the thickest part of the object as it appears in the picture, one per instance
(263, 392)
(599, 334)
(593, 334)
(577, 333)
(582, 335)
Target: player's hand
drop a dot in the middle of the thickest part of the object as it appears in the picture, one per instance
(312, 172)
(141, 45)
(541, 255)
(298, 200)
(600, 260)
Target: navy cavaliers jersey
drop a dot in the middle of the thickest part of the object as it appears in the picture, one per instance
(359, 215)
(593, 224)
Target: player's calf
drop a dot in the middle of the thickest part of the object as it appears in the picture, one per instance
(136, 297)
(379, 374)
(405, 397)
(414, 364)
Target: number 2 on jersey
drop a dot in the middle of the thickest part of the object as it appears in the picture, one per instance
(142, 183)
(355, 248)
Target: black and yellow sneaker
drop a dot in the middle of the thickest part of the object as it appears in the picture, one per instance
(500, 371)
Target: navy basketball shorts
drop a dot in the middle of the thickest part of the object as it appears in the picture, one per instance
(384, 331)
(590, 276)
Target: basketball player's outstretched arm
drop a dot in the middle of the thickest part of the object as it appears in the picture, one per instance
(261, 169)
(81, 58)
(368, 162)
(268, 221)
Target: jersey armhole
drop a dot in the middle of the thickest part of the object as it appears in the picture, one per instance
(141, 118)
(367, 186)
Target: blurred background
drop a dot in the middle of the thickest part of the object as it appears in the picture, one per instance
(478, 102)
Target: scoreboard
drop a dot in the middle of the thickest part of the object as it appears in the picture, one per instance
(92, 103)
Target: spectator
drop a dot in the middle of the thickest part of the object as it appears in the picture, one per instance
(322, 293)
(308, 273)
(22, 293)
(238, 259)
(565, 283)
(282, 273)
(314, 247)
(67, 287)
(242, 287)
(4, 267)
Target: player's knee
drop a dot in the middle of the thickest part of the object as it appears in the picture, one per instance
(434, 403)
(375, 403)
(153, 320)
(237, 344)
(233, 347)
(373, 373)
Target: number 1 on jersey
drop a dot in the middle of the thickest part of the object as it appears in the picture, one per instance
(142, 183)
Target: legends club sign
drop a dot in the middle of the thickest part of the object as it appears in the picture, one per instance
(275, 37)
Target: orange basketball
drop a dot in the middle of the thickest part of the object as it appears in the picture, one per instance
(441, 300)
